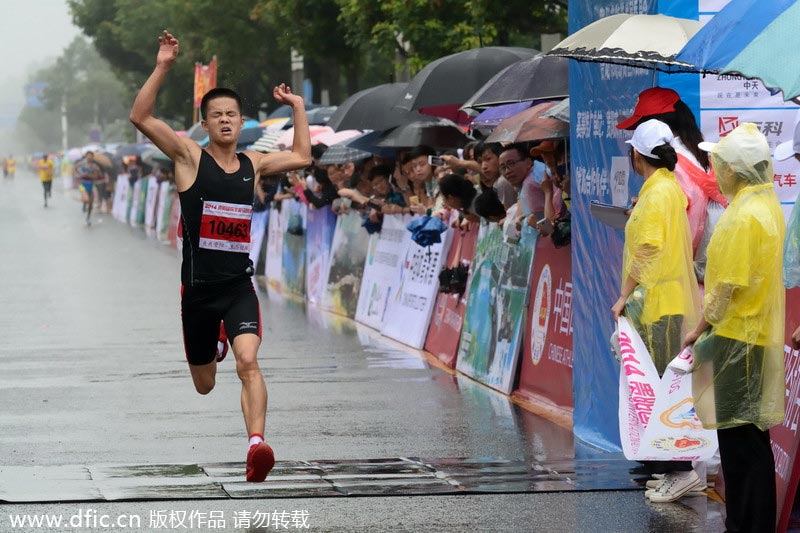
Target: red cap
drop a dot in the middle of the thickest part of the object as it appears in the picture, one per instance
(654, 101)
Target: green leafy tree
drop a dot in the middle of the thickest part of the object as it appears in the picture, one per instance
(250, 59)
(82, 81)
(419, 31)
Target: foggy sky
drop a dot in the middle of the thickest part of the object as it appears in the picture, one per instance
(32, 34)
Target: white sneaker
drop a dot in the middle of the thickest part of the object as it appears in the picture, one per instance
(674, 486)
(653, 485)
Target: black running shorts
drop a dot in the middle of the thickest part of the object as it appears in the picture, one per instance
(204, 307)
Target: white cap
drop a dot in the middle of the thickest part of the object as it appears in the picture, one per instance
(650, 134)
(787, 149)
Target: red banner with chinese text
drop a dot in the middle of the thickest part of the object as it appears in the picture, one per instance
(785, 438)
(547, 349)
(444, 331)
(205, 79)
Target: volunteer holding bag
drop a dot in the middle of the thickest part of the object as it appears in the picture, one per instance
(659, 289)
(738, 380)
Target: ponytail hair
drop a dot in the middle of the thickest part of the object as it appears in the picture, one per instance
(667, 157)
(684, 125)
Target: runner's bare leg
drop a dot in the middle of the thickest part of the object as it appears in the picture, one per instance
(254, 389)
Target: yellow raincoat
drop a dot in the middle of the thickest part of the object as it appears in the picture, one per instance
(658, 255)
(739, 373)
(739, 370)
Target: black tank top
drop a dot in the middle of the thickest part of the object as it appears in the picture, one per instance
(215, 213)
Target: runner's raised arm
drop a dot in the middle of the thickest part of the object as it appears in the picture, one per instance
(163, 136)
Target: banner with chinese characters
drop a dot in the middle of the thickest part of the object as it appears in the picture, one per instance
(320, 224)
(205, 79)
(497, 304)
(409, 308)
(546, 369)
(727, 100)
(657, 421)
(600, 173)
(382, 270)
(786, 437)
(444, 332)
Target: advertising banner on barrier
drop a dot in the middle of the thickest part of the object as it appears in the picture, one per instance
(657, 421)
(786, 437)
(496, 308)
(294, 250)
(599, 173)
(320, 225)
(382, 270)
(409, 309)
(119, 208)
(273, 269)
(447, 320)
(166, 192)
(151, 206)
(346, 267)
(547, 350)
(133, 202)
(175, 221)
(258, 229)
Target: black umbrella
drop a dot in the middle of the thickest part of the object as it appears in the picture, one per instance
(537, 78)
(373, 109)
(440, 134)
(453, 79)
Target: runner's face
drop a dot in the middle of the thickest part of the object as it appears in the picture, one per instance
(223, 121)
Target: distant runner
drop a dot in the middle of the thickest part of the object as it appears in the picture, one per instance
(87, 172)
(47, 170)
(216, 186)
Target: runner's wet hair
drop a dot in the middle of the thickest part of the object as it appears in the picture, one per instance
(219, 92)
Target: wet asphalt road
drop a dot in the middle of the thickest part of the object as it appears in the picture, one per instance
(92, 371)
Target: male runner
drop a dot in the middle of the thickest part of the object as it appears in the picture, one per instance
(87, 171)
(216, 188)
(47, 170)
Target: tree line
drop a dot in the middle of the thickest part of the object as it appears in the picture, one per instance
(347, 45)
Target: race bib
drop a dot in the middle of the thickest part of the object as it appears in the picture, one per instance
(225, 227)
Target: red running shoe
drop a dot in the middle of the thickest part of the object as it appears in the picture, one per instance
(222, 343)
(260, 460)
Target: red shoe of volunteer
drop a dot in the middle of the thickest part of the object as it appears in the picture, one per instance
(260, 460)
(222, 343)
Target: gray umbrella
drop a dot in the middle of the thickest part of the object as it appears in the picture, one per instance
(453, 79)
(537, 78)
(373, 109)
(440, 134)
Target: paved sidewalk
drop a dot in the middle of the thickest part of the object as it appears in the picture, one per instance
(93, 374)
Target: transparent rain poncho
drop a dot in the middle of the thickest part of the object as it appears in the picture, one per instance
(658, 255)
(739, 369)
